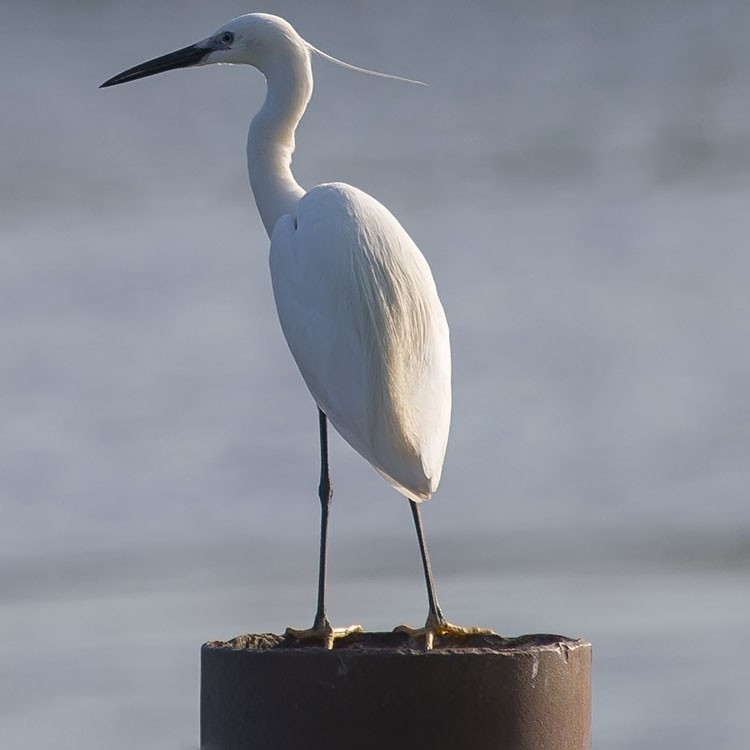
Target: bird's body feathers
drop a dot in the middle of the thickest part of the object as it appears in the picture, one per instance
(360, 312)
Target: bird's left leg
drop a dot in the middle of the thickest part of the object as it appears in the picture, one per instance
(322, 629)
(436, 624)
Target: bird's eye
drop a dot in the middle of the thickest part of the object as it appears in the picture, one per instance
(227, 37)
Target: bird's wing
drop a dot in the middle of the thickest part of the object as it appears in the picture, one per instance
(360, 313)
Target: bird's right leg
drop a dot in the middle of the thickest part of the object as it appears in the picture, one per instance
(436, 624)
(322, 629)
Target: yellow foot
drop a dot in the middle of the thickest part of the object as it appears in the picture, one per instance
(438, 626)
(323, 632)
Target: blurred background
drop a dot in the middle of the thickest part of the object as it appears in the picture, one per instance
(578, 176)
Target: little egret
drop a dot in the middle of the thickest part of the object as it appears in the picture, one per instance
(355, 297)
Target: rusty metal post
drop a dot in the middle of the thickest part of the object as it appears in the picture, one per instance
(376, 691)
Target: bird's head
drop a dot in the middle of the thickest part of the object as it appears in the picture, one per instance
(257, 39)
(253, 39)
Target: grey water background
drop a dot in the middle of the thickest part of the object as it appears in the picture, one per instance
(578, 176)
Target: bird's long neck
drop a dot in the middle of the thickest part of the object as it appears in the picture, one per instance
(270, 142)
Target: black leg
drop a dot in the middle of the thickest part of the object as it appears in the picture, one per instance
(435, 611)
(436, 624)
(321, 629)
(325, 493)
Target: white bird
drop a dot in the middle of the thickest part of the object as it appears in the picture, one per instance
(355, 297)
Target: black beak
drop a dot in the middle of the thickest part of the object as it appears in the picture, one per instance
(182, 58)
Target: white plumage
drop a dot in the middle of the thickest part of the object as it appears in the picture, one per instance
(360, 312)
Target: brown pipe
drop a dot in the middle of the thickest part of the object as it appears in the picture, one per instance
(377, 691)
